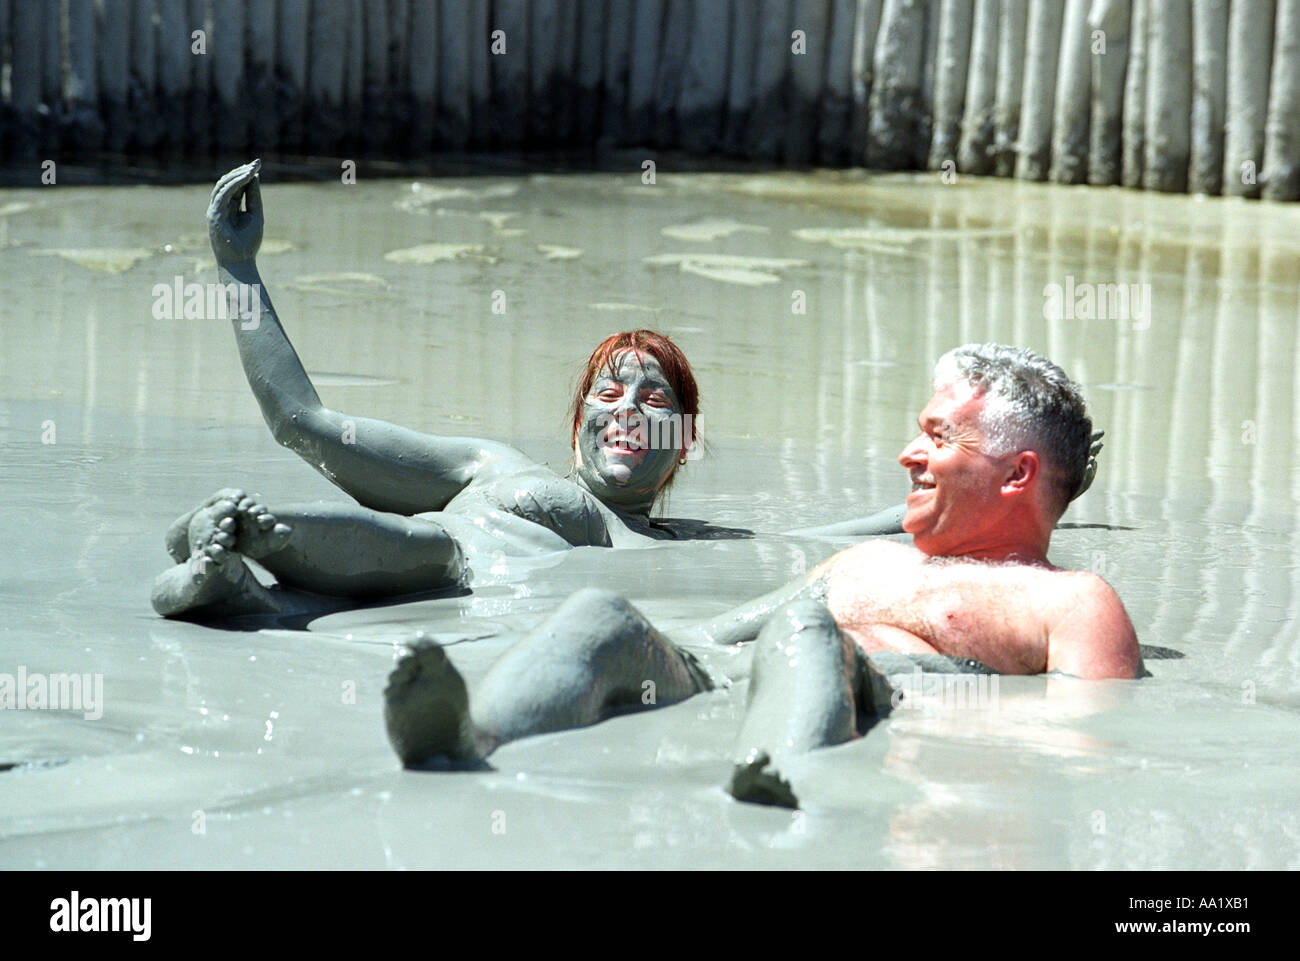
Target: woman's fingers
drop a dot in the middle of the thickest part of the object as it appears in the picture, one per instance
(253, 195)
(229, 189)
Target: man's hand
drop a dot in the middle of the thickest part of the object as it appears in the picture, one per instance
(236, 234)
(1091, 471)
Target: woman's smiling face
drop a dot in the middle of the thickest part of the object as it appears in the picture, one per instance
(631, 434)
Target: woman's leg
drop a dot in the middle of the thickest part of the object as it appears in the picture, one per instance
(336, 549)
(214, 582)
(351, 551)
(809, 687)
(331, 551)
(594, 656)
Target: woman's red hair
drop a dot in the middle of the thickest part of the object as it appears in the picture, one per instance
(674, 363)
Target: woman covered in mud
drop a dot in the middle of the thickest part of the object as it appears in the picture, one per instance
(425, 506)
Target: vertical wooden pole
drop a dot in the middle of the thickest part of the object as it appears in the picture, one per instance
(618, 43)
(1282, 129)
(1073, 93)
(114, 70)
(427, 47)
(453, 117)
(703, 98)
(1169, 97)
(956, 23)
(1012, 24)
(543, 48)
(1109, 47)
(807, 70)
(510, 73)
(261, 83)
(866, 26)
(292, 46)
(895, 124)
(1209, 94)
(672, 64)
(591, 69)
(1038, 100)
(1135, 98)
(975, 149)
(86, 129)
(837, 87)
(1250, 60)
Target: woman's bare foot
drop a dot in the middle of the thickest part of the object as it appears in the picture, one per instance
(257, 531)
(213, 581)
(254, 531)
(178, 534)
(207, 588)
(426, 711)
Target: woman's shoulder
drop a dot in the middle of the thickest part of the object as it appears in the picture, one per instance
(538, 494)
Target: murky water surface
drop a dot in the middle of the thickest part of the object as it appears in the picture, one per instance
(251, 749)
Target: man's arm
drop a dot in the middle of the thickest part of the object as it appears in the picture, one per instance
(384, 466)
(1094, 638)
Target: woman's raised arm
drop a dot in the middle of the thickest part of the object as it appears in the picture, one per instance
(383, 466)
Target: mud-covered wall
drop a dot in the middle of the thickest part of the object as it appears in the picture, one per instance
(1172, 95)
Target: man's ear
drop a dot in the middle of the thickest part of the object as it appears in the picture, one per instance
(1022, 471)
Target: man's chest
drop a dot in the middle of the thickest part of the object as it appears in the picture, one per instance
(993, 613)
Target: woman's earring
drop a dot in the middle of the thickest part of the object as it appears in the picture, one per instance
(681, 462)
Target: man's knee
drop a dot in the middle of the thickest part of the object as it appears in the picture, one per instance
(594, 605)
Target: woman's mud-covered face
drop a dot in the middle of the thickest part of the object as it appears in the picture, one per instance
(632, 432)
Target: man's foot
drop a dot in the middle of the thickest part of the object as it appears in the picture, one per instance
(750, 782)
(426, 711)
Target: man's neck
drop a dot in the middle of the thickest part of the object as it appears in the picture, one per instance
(1025, 548)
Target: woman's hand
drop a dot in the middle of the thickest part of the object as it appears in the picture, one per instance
(1091, 471)
(236, 234)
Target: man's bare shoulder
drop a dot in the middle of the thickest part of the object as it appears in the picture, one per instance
(1092, 635)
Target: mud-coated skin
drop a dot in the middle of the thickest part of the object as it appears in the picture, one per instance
(428, 510)
(810, 686)
(594, 656)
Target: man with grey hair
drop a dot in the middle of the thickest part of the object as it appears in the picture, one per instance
(1003, 446)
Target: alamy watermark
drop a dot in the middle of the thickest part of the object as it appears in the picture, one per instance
(194, 301)
(921, 691)
(1085, 301)
(76, 914)
(53, 692)
(661, 433)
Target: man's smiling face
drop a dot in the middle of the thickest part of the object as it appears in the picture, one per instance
(955, 495)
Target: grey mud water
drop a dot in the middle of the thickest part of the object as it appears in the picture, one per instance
(222, 748)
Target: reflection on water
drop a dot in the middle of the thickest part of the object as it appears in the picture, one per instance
(813, 312)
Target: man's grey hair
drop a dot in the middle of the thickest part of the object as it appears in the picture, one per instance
(1031, 405)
